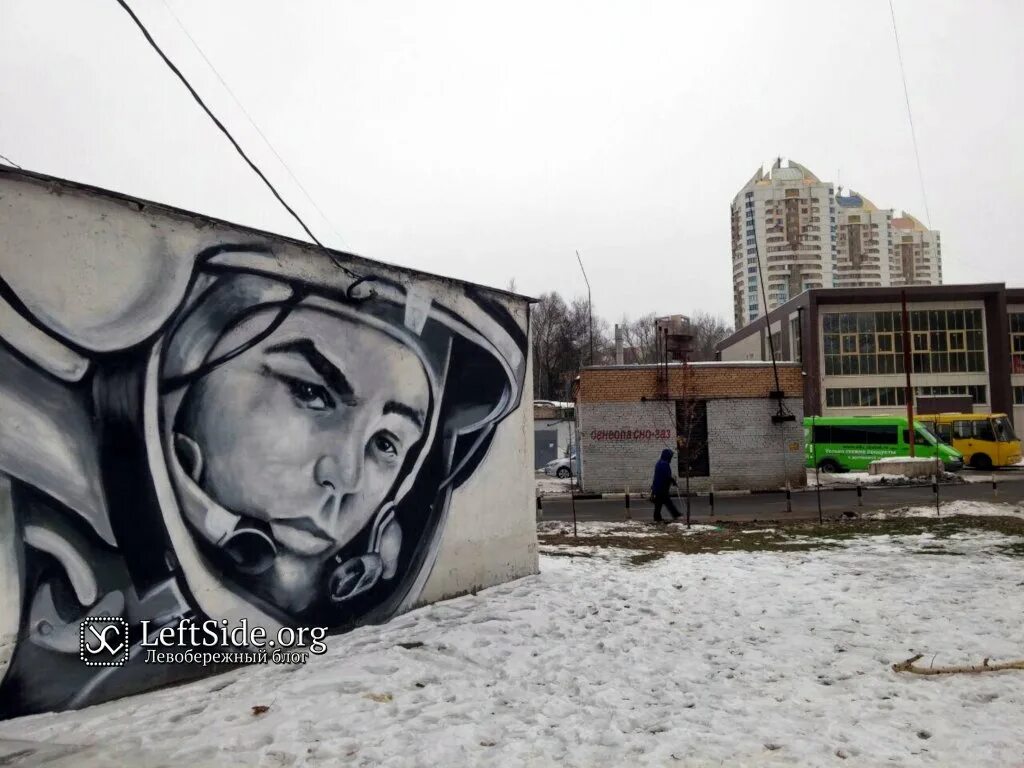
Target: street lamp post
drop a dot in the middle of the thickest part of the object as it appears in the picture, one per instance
(590, 308)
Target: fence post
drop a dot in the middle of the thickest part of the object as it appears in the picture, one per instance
(540, 507)
(935, 487)
(995, 486)
(789, 498)
(860, 493)
(711, 499)
(629, 515)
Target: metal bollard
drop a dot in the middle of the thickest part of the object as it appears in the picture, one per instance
(629, 515)
(935, 490)
(711, 500)
(789, 498)
(860, 494)
(540, 507)
(995, 487)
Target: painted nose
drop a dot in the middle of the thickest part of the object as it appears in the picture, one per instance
(341, 473)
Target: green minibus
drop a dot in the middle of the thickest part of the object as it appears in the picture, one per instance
(851, 443)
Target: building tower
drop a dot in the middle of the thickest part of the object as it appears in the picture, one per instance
(863, 243)
(917, 253)
(791, 216)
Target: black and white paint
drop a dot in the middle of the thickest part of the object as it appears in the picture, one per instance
(253, 430)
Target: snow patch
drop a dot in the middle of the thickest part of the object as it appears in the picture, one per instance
(736, 658)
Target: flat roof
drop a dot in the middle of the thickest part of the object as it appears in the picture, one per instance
(874, 295)
(140, 203)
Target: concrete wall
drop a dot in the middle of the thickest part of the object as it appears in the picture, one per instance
(621, 441)
(203, 422)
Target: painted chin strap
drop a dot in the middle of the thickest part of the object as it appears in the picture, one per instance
(248, 542)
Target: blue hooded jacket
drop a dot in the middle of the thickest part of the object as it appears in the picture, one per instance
(663, 474)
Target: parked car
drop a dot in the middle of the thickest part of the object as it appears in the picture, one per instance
(986, 440)
(851, 443)
(560, 467)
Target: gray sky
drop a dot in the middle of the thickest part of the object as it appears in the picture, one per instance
(489, 140)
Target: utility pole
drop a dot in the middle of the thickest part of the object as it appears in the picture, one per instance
(590, 307)
(907, 358)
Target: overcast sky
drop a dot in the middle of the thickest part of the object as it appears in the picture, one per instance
(490, 140)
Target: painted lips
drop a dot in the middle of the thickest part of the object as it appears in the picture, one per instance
(301, 535)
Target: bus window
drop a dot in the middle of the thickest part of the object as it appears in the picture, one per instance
(822, 435)
(1003, 429)
(983, 430)
(944, 432)
(921, 437)
(963, 430)
(880, 434)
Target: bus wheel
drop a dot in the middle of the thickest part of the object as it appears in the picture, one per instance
(828, 466)
(981, 461)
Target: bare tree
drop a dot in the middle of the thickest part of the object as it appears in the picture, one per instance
(640, 336)
(708, 331)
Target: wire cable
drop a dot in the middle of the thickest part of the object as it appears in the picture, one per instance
(910, 116)
(11, 162)
(218, 123)
(252, 122)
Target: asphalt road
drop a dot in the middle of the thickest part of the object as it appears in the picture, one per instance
(772, 506)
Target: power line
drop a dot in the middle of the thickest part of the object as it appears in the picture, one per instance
(910, 116)
(218, 123)
(252, 122)
(11, 162)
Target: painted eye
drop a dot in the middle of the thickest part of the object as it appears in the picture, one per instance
(383, 443)
(309, 395)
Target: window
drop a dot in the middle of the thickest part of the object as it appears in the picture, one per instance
(962, 430)
(921, 437)
(880, 435)
(1003, 428)
(942, 341)
(1018, 395)
(983, 430)
(944, 432)
(1017, 342)
(872, 397)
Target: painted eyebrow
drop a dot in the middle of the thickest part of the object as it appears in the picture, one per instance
(330, 373)
(413, 414)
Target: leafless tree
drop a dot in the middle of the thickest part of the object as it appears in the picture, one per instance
(708, 330)
(640, 336)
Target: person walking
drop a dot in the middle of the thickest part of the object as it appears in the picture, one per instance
(663, 481)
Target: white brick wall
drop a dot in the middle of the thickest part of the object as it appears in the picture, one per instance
(614, 464)
(747, 451)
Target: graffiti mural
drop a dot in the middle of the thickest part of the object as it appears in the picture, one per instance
(267, 433)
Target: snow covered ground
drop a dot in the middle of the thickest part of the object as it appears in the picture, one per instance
(955, 507)
(547, 485)
(737, 659)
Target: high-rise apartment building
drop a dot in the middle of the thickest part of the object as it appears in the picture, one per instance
(786, 218)
(791, 228)
(863, 243)
(917, 253)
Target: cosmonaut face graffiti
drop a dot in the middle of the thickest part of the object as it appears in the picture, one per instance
(282, 447)
(304, 435)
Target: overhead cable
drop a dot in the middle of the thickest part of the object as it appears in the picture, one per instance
(252, 122)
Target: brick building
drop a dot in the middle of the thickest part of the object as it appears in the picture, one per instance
(729, 412)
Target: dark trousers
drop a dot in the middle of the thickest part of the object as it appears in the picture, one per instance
(664, 500)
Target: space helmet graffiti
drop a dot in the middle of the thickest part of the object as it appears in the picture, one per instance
(310, 424)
